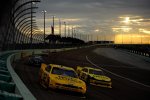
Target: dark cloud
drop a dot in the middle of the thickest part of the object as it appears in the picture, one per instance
(95, 13)
(90, 7)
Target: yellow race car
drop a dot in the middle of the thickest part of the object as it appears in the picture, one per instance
(61, 77)
(93, 76)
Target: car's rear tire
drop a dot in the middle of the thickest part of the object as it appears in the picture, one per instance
(88, 80)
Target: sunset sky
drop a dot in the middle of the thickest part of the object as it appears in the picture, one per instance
(103, 19)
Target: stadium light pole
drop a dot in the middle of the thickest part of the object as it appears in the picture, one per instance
(59, 27)
(53, 25)
(68, 31)
(65, 28)
(72, 32)
(44, 11)
(141, 37)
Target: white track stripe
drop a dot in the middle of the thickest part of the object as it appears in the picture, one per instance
(116, 74)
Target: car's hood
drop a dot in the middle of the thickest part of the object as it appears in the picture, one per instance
(67, 80)
(100, 77)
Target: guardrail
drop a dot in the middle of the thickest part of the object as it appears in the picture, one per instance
(143, 50)
(21, 88)
(7, 85)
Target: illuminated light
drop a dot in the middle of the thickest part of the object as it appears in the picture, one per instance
(97, 30)
(33, 3)
(131, 19)
(127, 19)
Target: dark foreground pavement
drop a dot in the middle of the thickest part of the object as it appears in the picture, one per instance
(122, 89)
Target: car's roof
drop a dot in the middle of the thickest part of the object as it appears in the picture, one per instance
(93, 68)
(61, 66)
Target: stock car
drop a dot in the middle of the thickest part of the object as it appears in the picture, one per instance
(61, 77)
(94, 76)
(35, 60)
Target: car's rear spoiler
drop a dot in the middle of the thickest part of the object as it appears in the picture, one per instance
(78, 69)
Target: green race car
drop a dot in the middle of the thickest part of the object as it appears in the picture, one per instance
(94, 76)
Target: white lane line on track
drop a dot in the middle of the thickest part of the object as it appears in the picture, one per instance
(116, 74)
(119, 66)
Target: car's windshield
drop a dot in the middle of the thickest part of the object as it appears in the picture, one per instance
(96, 72)
(64, 72)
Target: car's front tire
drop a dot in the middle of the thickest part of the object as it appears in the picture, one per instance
(47, 83)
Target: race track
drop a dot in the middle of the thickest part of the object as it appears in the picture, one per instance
(129, 82)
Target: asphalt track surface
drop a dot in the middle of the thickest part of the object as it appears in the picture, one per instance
(122, 87)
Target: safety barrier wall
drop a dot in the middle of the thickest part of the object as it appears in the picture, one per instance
(20, 91)
(15, 88)
(20, 87)
(8, 90)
